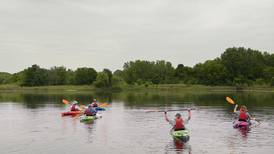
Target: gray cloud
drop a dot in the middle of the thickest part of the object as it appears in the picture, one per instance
(107, 33)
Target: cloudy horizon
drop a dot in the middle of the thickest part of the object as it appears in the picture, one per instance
(106, 33)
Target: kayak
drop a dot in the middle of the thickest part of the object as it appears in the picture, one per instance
(241, 124)
(70, 113)
(87, 118)
(182, 135)
(99, 109)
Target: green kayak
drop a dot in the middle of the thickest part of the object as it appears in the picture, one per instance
(181, 135)
(87, 118)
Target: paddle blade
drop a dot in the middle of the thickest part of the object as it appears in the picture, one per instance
(104, 105)
(65, 101)
(229, 100)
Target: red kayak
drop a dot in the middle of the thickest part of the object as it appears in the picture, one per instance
(70, 113)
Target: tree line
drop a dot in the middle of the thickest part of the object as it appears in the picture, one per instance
(235, 66)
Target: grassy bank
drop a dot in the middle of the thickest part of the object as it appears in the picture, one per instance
(162, 87)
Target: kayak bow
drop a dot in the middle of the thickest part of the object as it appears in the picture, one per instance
(182, 135)
(70, 113)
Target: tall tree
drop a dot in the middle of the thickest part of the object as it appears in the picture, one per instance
(35, 76)
(58, 76)
(85, 75)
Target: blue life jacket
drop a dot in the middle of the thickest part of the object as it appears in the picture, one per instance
(90, 111)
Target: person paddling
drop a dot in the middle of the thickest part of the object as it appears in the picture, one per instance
(90, 111)
(94, 103)
(178, 123)
(74, 106)
(242, 114)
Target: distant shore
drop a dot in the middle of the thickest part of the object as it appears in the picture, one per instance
(160, 87)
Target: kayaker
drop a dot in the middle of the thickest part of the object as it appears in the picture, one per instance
(94, 103)
(242, 114)
(90, 111)
(74, 106)
(178, 123)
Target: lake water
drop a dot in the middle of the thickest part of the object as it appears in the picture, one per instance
(31, 123)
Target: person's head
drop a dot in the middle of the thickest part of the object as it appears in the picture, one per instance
(94, 100)
(178, 115)
(243, 108)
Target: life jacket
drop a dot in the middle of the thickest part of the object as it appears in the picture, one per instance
(179, 124)
(90, 112)
(73, 108)
(242, 116)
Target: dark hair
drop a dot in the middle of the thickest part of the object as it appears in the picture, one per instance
(178, 115)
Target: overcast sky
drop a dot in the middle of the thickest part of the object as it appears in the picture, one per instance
(107, 33)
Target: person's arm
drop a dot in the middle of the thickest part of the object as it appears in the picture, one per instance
(189, 115)
(166, 118)
(235, 108)
(172, 123)
(249, 116)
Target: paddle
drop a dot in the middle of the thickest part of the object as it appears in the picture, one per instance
(184, 109)
(231, 101)
(103, 105)
(65, 101)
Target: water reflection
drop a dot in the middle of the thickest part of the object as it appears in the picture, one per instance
(89, 127)
(139, 99)
(182, 147)
(178, 147)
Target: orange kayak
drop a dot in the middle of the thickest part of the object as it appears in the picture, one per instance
(70, 113)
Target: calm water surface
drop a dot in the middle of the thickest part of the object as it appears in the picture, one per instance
(31, 124)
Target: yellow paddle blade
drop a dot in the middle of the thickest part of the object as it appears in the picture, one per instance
(229, 100)
(103, 104)
(65, 101)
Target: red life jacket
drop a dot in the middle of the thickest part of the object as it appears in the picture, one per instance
(179, 124)
(243, 116)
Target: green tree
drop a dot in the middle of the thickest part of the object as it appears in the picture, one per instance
(138, 69)
(85, 75)
(243, 63)
(118, 73)
(118, 82)
(58, 76)
(212, 72)
(109, 73)
(184, 74)
(5, 78)
(163, 72)
(35, 76)
(147, 71)
(272, 81)
(102, 80)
